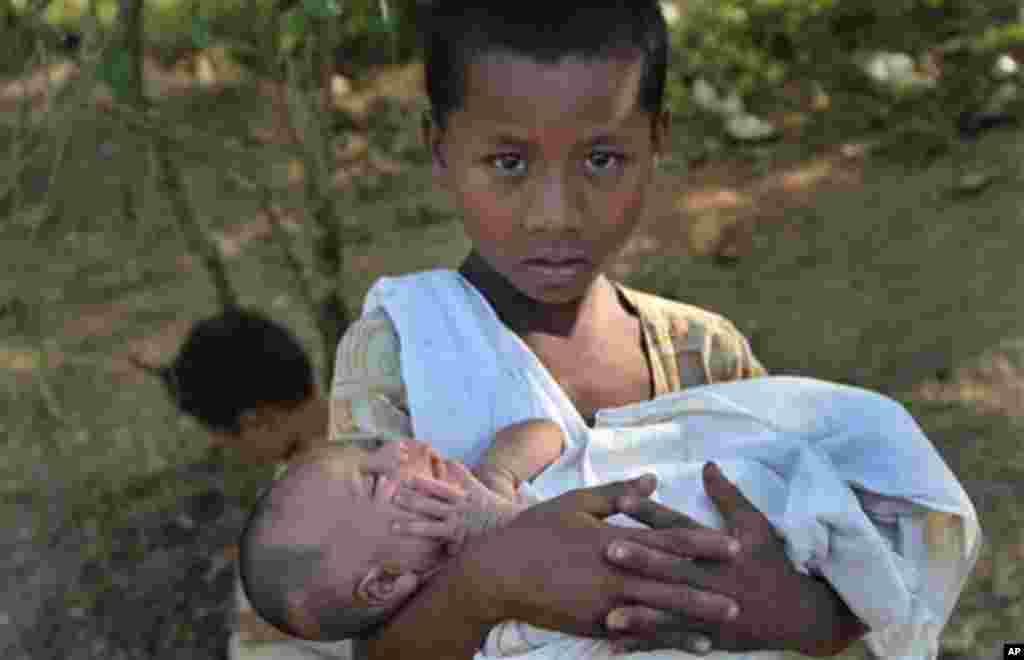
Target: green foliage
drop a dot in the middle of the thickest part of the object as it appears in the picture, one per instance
(115, 69)
(201, 34)
(321, 9)
(755, 46)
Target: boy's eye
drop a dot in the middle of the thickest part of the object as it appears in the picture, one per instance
(508, 164)
(601, 162)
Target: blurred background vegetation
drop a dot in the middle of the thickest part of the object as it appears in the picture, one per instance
(833, 188)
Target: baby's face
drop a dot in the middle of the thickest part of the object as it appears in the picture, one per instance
(361, 536)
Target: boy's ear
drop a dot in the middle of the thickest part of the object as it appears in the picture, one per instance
(382, 589)
(253, 418)
(432, 141)
(660, 130)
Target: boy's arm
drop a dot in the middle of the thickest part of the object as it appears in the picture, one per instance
(368, 399)
(495, 579)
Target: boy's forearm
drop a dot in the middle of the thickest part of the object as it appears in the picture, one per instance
(837, 628)
(415, 630)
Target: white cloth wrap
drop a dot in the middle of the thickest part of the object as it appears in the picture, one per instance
(844, 475)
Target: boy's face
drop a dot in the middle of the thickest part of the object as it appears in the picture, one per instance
(550, 166)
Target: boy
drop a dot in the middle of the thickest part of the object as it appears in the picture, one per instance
(795, 465)
(250, 383)
(546, 123)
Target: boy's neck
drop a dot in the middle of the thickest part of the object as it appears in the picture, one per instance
(315, 414)
(524, 315)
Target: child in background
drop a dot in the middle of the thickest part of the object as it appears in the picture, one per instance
(250, 384)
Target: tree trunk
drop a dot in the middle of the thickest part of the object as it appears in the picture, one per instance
(130, 13)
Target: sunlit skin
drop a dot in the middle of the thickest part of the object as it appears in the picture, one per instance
(544, 155)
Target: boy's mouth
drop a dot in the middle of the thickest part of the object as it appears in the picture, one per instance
(553, 256)
(550, 263)
(556, 272)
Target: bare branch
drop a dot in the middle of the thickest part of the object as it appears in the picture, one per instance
(77, 98)
(306, 114)
(283, 240)
(199, 243)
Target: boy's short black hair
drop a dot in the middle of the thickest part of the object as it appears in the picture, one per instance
(457, 32)
(236, 361)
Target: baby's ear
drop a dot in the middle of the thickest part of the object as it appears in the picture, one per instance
(382, 588)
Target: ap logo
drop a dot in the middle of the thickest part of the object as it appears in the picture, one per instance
(1013, 651)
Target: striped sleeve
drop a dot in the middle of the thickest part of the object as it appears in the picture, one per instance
(368, 397)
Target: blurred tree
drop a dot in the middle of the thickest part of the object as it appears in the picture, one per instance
(130, 19)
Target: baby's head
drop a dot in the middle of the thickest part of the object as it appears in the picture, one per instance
(249, 382)
(318, 559)
(545, 123)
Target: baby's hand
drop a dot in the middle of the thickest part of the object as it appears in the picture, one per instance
(455, 510)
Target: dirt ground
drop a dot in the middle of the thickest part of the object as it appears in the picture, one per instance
(835, 263)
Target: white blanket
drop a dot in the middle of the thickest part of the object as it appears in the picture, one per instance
(846, 476)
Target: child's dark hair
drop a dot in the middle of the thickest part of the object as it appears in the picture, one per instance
(236, 361)
(457, 32)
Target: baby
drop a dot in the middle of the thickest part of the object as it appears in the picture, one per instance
(319, 557)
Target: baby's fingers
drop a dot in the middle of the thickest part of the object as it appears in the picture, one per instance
(439, 530)
(434, 488)
(414, 502)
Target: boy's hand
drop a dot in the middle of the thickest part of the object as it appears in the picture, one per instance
(547, 566)
(759, 578)
(465, 507)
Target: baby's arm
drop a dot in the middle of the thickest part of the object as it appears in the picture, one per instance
(460, 507)
(487, 497)
(519, 453)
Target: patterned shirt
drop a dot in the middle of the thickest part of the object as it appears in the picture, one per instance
(685, 346)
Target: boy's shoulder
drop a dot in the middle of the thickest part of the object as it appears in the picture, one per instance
(681, 318)
(722, 352)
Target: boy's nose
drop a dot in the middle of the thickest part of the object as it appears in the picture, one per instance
(554, 208)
